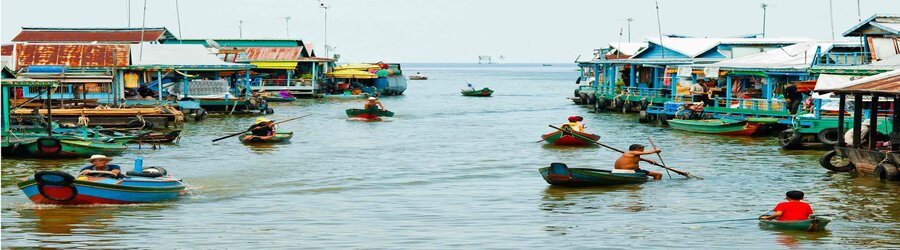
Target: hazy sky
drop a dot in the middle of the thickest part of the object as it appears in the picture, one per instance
(450, 31)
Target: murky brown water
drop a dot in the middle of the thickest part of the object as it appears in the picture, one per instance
(456, 172)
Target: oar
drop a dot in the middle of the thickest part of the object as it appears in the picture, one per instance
(659, 155)
(245, 131)
(712, 221)
(685, 174)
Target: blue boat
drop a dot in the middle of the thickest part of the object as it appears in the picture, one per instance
(147, 185)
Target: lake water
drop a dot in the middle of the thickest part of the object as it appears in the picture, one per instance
(456, 172)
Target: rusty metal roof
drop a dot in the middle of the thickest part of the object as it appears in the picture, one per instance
(6, 50)
(83, 35)
(273, 53)
(884, 83)
(71, 55)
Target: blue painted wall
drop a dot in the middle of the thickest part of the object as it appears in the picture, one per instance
(655, 51)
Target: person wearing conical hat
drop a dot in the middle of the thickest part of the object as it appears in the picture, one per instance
(101, 163)
(575, 123)
(374, 102)
(263, 128)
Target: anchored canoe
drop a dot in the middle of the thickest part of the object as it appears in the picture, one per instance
(369, 113)
(716, 126)
(558, 174)
(278, 137)
(56, 147)
(814, 223)
(279, 99)
(55, 187)
(566, 138)
(481, 92)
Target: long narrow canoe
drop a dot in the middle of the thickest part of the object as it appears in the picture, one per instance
(567, 138)
(716, 126)
(55, 148)
(814, 223)
(278, 137)
(279, 99)
(558, 174)
(482, 92)
(369, 113)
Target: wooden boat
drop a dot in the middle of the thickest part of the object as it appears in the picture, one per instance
(814, 223)
(101, 187)
(566, 138)
(158, 137)
(481, 92)
(369, 113)
(558, 174)
(345, 96)
(278, 137)
(415, 77)
(60, 147)
(279, 99)
(716, 126)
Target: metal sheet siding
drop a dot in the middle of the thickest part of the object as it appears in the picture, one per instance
(889, 84)
(6, 50)
(656, 51)
(87, 36)
(71, 55)
(273, 53)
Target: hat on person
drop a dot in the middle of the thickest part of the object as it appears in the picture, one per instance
(261, 120)
(99, 157)
(573, 118)
(372, 98)
(580, 118)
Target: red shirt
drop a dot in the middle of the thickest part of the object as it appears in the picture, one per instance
(793, 210)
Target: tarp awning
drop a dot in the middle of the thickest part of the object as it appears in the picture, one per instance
(275, 65)
(349, 73)
(357, 66)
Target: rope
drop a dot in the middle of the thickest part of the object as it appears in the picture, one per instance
(83, 120)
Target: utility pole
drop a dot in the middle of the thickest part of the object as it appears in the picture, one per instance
(764, 6)
(128, 12)
(287, 26)
(178, 15)
(143, 24)
(831, 12)
(241, 29)
(659, 29)
(629, 28)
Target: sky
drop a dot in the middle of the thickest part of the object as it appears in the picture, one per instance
(450, 31)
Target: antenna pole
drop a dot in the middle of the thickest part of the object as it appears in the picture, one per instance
(178, 16)
(128, 12)
(241, 29)
(831, 12)
(659, 29)
(629, 28)
(287, 26)
(143, 23)
(325, 11)
(858, 12)
(763, 6)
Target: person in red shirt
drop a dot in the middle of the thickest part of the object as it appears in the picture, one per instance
(793, 209)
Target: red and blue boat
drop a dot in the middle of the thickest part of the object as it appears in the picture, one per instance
(371, 113)
(149, 185)
(569, 137)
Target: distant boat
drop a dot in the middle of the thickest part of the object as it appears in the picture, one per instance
(546, 65)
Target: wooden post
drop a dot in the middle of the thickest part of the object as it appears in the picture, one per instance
(895, 124)
(857, 119)
(873, 122)
(631, 77)
(184, 86)
(159, 84)
(728, 87)
(842, 104)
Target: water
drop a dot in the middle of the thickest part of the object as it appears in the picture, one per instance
(456, 172)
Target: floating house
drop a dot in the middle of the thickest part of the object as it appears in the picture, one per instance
(93, 35)
(279, 63)
(585, 94)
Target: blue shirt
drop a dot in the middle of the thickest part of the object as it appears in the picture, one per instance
(109, 167)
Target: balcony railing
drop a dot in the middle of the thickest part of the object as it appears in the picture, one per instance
(842, 59)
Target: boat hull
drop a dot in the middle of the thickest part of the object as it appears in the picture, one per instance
(74, 148)
(566, 138)
(277, 138)
(558, 174)
(369, 114)
(280, 99)
(813, 224)
(719, 127)
(99, 190)
(485, 92)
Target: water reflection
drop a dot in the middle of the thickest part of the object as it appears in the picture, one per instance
(590, 199)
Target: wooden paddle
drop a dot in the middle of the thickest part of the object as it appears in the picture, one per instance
(683, 173)
(659, 155)
(248, 130)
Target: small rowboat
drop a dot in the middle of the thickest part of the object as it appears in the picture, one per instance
(369, 113)
(54, 147)
(101, 187)
(278, 137)
(558, 174)
(481, 92)
(416, 77)
(716, 126)
(279, 99)
(566, 138)
(814, 223)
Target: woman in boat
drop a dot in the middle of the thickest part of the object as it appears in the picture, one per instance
(793, 209)
(101, 163)
(373, 102)
(263, 129)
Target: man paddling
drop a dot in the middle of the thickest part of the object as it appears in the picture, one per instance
(101, 163)
(630, 160)
(373, 102)
(263, 129)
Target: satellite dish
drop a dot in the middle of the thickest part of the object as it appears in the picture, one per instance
(213, 44)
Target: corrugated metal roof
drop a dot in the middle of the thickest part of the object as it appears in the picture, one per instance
(71, 55)
(627, 48)
(273, 53)
(6, 50)
(83, 35)
(179, 56)
(884, 83)
(857, 30)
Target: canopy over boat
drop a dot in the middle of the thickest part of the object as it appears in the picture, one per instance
(352, 73)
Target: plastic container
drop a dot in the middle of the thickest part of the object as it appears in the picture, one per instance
(139, 164)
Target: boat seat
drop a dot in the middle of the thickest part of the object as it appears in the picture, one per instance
(622, 171)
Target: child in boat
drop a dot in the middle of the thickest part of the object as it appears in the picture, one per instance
(263, 128)
(792, 209)
(629, 161)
